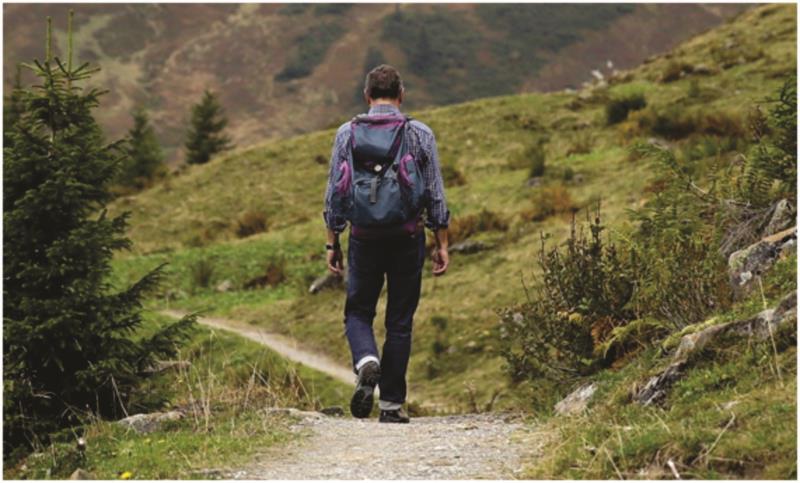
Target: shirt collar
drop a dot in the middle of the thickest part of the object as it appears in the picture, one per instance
(383, 109)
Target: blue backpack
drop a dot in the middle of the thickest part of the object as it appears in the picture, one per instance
(380, 183)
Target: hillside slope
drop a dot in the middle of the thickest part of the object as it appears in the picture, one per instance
(289, 69)
(192, 219)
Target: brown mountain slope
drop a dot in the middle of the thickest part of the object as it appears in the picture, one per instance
(164, 55)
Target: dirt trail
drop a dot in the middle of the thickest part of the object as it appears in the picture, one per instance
(285, 346)
(469, 446)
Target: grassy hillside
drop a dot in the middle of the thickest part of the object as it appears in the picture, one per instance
(294, 68)
(192, 219)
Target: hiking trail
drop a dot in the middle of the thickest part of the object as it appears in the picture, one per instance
(466, 446)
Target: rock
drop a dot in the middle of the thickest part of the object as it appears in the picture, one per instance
(534, 182)
(81, 474)
(294, 412)
(224, 286)
(163, 366)
(468, 246)
(656, 388)
(333, 411)
(783, 216)
(577, 401)
(329, 280)
(759, 327)
(703, 69)
(745, 264)
(147, 423)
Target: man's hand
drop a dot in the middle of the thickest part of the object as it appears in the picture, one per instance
(439, 256)
(335, 261)
(440, 260)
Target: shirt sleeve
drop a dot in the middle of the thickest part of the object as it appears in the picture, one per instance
(438, 216)
(334, 220)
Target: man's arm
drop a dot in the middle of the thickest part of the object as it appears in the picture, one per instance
(438, 216)
(334, 221)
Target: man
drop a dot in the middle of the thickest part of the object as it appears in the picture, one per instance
(371, 175)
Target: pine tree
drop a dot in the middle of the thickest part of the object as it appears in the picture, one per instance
(205, 137)
(145, 157)
(12, 106)
(69, 337)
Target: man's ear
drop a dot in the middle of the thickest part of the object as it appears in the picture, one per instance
(401, 95)
(366, 97)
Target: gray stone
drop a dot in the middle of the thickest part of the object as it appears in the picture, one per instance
(332, 411)
(577, 401)
(81, 474)
(745, 264)
(534, 182)
(327, 281)
(147, 423)
(783, 216)
(759, 327)
(294, 412)
(163, 366)
(468, 246)
(224, 286)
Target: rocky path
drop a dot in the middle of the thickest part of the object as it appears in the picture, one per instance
(285, 346)
(470, 446)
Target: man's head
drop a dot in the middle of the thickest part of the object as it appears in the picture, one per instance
(383, 84)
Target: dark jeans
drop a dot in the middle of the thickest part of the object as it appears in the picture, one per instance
(400, 259)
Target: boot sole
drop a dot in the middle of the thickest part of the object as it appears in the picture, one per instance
(362, 402)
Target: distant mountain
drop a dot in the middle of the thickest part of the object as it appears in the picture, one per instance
(294, 68)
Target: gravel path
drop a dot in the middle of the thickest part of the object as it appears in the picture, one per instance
(470, 446)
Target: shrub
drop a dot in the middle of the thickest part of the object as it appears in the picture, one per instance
(550, 201)
(675, 70)
(274, 274)
(532, 157)
(581, 142)
(464, 227)
(583, 294)
(451, 176)
(251, 223)
(618, 108)
(202, 271)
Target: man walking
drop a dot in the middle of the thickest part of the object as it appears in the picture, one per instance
(385, 181)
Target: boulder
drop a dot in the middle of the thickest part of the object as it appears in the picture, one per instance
(329, 280)
(147, 423)
(224, 286)
(656, 388)
(468, 246)
(163, 366)
(577, 401)
(745, 264)
(783, 216)
(81, 474)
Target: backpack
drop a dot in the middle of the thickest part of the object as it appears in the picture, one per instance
(380, 183)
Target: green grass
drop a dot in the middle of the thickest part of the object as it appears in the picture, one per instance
(232, 376)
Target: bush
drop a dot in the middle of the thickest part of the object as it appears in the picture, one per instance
(675, 70)
(675, 122)
(581, 142)
(550, 201)
(618, 108)
(451, 176)
(584, 293)
(251, 223)
(464, 227)
(202, 271)
(274, 274)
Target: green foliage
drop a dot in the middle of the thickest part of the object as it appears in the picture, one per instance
(67, 335)
(463, 227)
(309, 50)
(202, 273)
(205, 137)
(144, 159)
(549, 201)
(618, 108)
(584, 293)
(12, 107)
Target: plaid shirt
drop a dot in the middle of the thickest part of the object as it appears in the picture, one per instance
(422, 144)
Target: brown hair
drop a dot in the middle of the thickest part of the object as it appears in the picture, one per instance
(383, 82)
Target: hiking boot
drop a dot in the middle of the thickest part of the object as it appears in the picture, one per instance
(368, 377)
(394, 416)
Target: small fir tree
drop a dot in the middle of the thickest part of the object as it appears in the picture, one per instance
(12, 106)
(70, 341)
(145, 157)
(205, 137)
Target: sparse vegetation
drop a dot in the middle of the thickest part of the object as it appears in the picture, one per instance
(205, 137)
(250, 223)
(617, 109)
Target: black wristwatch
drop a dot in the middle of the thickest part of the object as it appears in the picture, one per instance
(335, 246)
